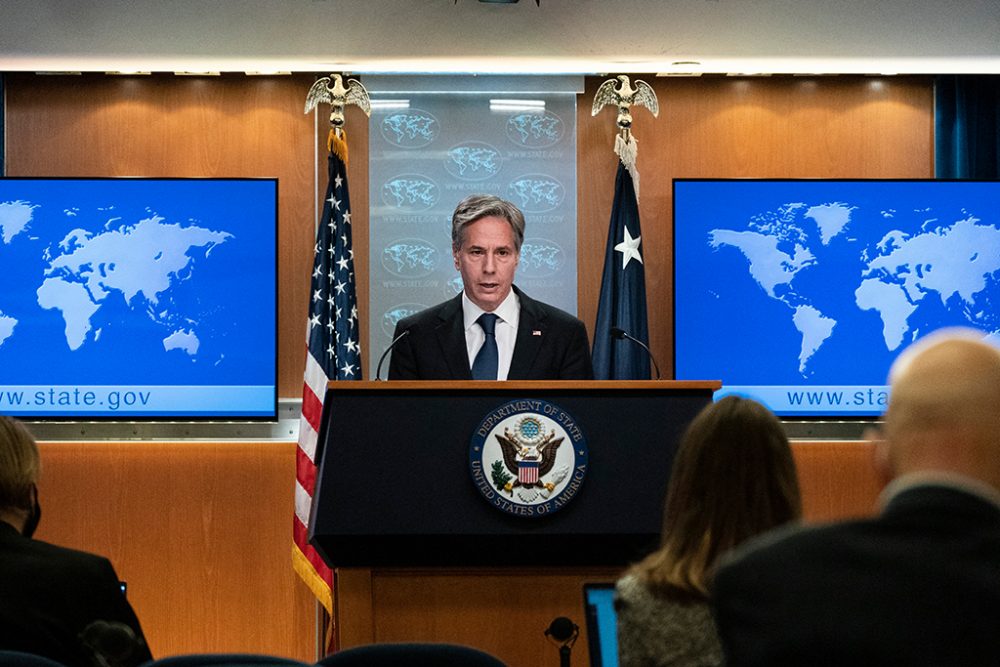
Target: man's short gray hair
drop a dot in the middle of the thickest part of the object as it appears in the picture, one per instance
(19, 464)
(478, 206)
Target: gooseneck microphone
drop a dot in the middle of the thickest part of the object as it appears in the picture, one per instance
(378, 369)
(621, 333)
(563, 632)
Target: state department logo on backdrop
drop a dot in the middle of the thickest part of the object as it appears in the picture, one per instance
(410, 258)
(537, 193)
(410, 193)
(540, 258)
(535, 129)
(528, 457)
(393, 315)
(473, 161)
(412, 128)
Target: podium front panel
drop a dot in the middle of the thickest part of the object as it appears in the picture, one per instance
(395, 488)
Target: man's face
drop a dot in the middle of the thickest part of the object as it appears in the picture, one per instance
(487, 260)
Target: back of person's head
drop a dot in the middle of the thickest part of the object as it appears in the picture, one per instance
(19, 465)
(944, 407)
(733, 477)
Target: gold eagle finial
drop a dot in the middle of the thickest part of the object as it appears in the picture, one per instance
(338, 96)
(619, 92)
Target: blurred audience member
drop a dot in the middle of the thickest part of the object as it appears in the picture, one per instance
(50, 597)
(733, 477)
(920, 583)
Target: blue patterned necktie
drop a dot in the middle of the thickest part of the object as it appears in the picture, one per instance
(488, 359)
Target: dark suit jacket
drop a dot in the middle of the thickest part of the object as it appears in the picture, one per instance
(551, 345)
(49, 594)
(918, 585)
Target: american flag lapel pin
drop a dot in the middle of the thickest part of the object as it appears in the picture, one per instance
(536, 332)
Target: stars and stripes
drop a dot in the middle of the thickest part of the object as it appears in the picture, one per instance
(334, 353)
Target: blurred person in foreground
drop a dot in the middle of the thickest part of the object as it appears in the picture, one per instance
(56, 602)
(919, 584)
(733, 477)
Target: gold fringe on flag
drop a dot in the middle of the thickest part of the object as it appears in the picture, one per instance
(336, 143)
(322, 593)
(315, 583)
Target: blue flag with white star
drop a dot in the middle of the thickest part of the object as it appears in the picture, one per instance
(623, 292)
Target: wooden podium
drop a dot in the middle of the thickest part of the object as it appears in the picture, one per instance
(421, 555)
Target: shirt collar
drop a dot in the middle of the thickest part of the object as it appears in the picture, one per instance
(507, 311)
(949, 480)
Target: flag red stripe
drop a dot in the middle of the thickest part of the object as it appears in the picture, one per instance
(312, 407)
(305, 471)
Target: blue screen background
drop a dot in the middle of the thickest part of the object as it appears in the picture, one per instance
(867, 267)
(219, 305)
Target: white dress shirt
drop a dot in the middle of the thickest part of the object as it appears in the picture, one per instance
(508, 313)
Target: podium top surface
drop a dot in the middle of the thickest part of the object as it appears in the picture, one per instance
(528, 385)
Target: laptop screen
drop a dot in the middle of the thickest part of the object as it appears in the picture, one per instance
(602, 624)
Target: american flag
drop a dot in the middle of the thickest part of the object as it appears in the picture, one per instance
(334, 353)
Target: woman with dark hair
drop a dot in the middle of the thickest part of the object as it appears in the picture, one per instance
(733, 477)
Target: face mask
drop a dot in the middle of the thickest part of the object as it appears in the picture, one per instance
(31, 523)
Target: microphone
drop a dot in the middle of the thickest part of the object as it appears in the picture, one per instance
(561, 629)
(564, 632)
(378, 369)
(621, 333)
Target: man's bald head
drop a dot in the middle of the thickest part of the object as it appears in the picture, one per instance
(944, 407)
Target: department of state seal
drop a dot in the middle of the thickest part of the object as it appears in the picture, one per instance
(528, 458)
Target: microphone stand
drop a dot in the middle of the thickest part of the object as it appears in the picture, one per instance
(619, 334)
(378, 369)
(564, 632)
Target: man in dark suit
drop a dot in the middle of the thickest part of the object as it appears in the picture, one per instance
(492, 330)
(60, 603)
(920, 583)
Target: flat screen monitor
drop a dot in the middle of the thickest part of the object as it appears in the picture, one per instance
(602, 624)
(138, 298)
(801, 293)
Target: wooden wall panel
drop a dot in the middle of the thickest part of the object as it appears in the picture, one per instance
(795, 127)
(838, 480)
(201, 531)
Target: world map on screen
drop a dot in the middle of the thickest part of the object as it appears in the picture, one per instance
(947, 263)
(797, 284)
(139, 263)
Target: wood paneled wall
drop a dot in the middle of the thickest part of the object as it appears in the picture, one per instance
(202, 531)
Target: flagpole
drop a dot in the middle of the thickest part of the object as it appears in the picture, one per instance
(621, 331)
(333, 341)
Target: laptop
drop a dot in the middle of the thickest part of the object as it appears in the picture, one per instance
(602, 624)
